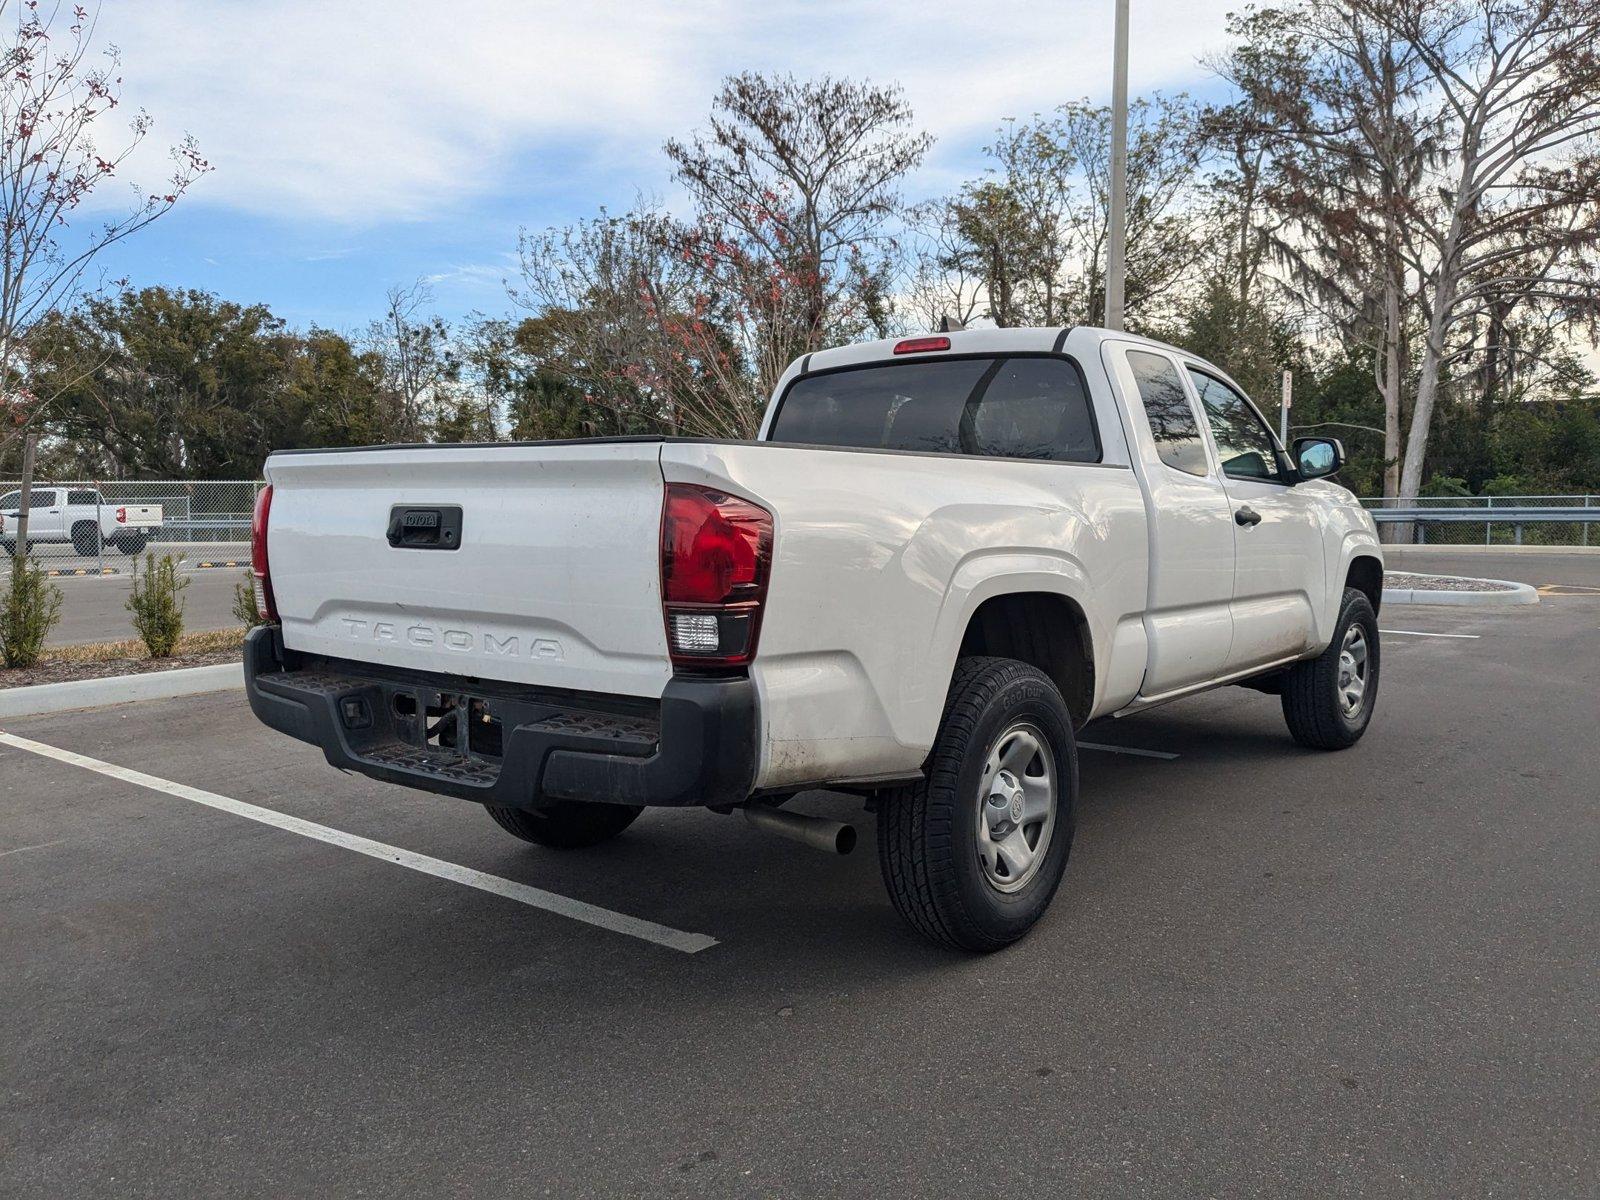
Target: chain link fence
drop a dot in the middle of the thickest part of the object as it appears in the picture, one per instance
(1496, 529)
(95, 527)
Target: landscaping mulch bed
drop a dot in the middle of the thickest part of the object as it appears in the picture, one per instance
(1435, 583)
(105, 659)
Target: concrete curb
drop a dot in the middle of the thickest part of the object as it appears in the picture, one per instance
(1514, 593)
(118, 689)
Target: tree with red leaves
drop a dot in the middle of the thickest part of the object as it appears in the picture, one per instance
(689, 323)
(56, 93)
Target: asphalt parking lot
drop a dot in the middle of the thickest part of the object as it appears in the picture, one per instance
(1269, 972)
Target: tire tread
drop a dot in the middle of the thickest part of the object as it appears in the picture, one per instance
(915, 824)
(1308, 687)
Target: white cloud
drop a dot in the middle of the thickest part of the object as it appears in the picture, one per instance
(364, 113)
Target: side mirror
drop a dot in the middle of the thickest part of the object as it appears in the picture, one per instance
(1318, 457)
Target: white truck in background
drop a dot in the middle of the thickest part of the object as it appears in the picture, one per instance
(941, 558)
(81, 516)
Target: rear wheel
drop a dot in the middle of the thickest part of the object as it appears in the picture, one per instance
(132, 543)
(566, 824)
(1328, 700)
(974, 853)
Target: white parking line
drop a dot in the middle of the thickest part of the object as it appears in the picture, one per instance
(1472, 637)
(577, 910)
(1125, 750)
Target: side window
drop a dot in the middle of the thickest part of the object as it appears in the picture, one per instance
(1244, 445)
(1172, 420)
(79, 496)
(1034, 408)
(38, 497)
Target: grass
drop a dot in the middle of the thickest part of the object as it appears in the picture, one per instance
(189, 643)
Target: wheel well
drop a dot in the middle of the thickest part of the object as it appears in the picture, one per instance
(1366, 575)
(1044, 630)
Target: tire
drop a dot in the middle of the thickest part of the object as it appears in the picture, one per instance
(86, 539)
(132, 543)
(566, 824)
(946, 874)
(1316, 692)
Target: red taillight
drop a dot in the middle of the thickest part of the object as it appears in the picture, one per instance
(716, 553)
(266, 604)
(921, 345)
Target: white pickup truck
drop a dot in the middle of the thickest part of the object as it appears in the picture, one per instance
(942, 557)
(78, 515)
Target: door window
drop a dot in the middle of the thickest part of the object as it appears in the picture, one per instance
(83, 497)
(1244, 444)
(1172, 420)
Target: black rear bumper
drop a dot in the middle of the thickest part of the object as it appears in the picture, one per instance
(505, 745)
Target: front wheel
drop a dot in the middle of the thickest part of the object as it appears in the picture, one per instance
(973, 854)
(566, 824)
(1328, 700)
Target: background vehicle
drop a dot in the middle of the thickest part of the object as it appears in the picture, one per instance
(942, 557)
(80, 516)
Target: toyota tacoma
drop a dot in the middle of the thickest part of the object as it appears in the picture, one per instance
(939, 559)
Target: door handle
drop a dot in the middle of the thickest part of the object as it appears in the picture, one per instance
(1246, 516)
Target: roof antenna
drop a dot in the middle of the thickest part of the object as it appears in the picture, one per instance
(948, 324)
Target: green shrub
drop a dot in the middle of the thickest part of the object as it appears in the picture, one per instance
(156, 603)
(244, 603)
(29, 609)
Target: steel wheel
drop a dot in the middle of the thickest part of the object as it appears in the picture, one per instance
(1352, 682)
(1016, 807)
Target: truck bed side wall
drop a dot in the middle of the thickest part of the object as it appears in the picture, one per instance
(880, 559)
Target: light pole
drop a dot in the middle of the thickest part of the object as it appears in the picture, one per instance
(1117, 250)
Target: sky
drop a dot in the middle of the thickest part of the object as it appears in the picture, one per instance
(360, 145)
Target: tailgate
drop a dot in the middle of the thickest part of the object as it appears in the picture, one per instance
(137, 514)
(554, 580)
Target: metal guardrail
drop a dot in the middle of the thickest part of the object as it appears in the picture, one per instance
(1495, 516)
(1497, 511)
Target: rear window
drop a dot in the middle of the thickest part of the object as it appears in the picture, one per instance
(81, 497)
(1016, 407)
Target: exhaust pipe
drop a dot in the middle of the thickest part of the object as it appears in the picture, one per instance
(831, 837)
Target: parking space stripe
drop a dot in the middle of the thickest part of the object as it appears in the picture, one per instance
(1125, 750)
(1471, 637)
(577, 910)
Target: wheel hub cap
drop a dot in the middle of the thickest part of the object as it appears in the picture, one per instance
(1016, 807)
(1352, 685)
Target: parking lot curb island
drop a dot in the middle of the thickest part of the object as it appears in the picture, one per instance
(1507, 592)
(119, 689)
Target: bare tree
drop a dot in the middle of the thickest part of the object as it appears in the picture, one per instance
(1436, 160)
(803, 176)
(941, 283)
(417, 362)
(1035, 228)
(1518, 212)
(689, 323)
(1331, 139)
(55, 94)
